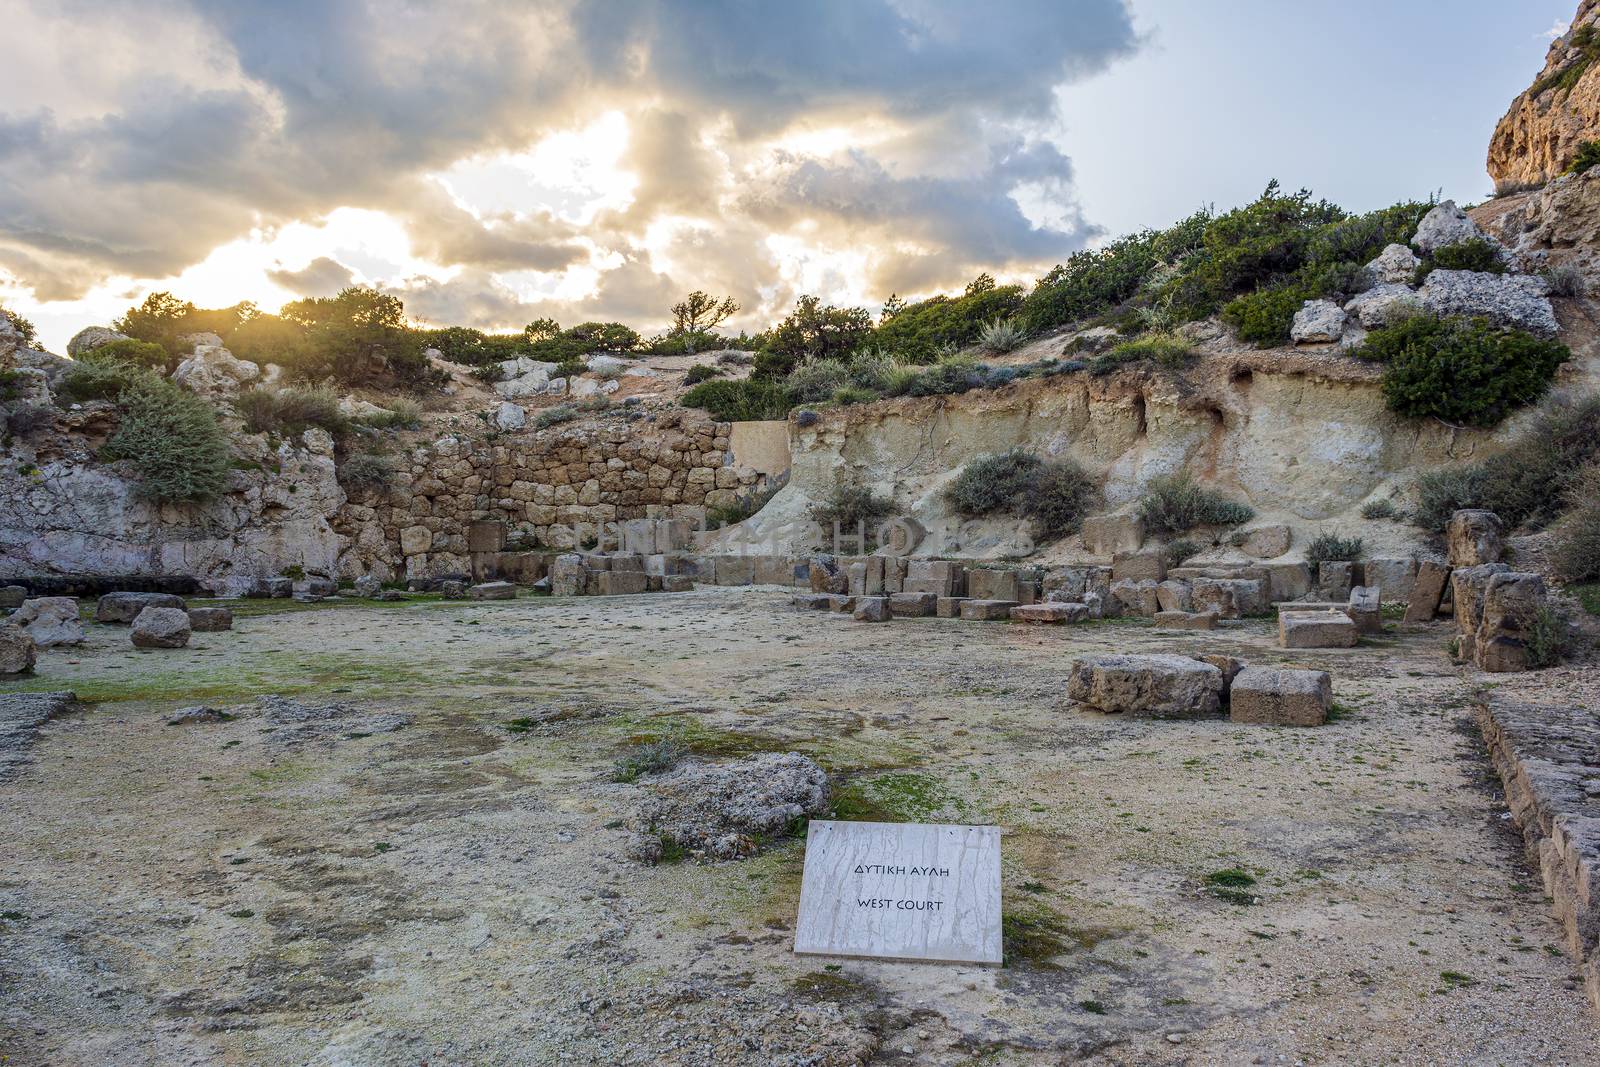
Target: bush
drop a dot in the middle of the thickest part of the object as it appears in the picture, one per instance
(402, 414)
(741, 401)
(366, 471)
(918, 332)
(1002, 335)
(874, 368)
(178, 449)
(1265, 317)
(1166, 349)
(1331, 548)
(813, 330)
(1054, 496)
(91, 379)
(850, 506)
(1587, 156)
(1459, 370)
(1093, 281)
(853, 394)
(1565, 280)
(1380, 509)
(945, 379)
(1532, 481)
(1547, 637)
(292, 411)
(816, 380)
(701, 373)
(1575, 554)
(1475, 253)
(647, 757)
(1180, 552)
(554, 416)
(25, 329)
(590, 404)
(135, 353)
(1174, 504)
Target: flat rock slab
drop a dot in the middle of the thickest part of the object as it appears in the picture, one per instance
(1186, 620)
(906, 891)
(161, 628)
(872, 609)
(493, 591)
(1050, 613)
(986, 610)
(1280, 697)
(210, 620)
(913, 605)
(21, 715)
(1157, 686)
(1316, 629)
(949, 607)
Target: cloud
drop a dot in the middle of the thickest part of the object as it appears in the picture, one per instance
(278, 111)
(321, 277)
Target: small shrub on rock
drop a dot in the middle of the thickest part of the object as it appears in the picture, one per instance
(1380, 509)
(1565, 280)
(739, 401)
(816, 380)
(1002, 335)
(1180, 552)
(174, 441)
(1331, 548)
(851, 506)
(1166, 349)
(128, 350)
(702, 372)
(1460, 370)
(1175, 504)
(554, 416)
(1054, 496)
(402, 414)
(1547, 636)
(650, 757)
(292, 411)
(1576, 552)
(1264, 317)
(1587, 156)
(366, 471)
(1474, 254)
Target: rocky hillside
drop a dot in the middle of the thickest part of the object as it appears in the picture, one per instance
(1540, 134)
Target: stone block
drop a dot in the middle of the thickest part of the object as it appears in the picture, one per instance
(989, 583)
(1287, 581)
(1053, 612)
(451, 588)
(1501, 654)
(1263, 542)
(872, 609)
(894, 574)
(18, 653)
(1393, 577)
(676, 583)
(1109, 535)
(974, 610)
(674, 535)
(210, 620)
(841, 603)
(623, 583)
(568, 575)
(913, 605)
(639, 535)
(866, 576)
(125, 607)
(810, 601)
(1139, 567)
(1316, 629)
(625, 561)
(486, 535)
(652, 583)
(1511, 601)
(1335, 579)
(660, 564)
(1230, 666)
(1427, 590)
(1363, 609)
(826, 576)
(161, 628)
(50, 621)
(1186, 620)
(1137, 598)
(11, 597)
(1468, 585)
(1280, 697)
(1158, 686)
(948, 607)
(1474, 538)
(493, 591)
(941, 577)
(735, 570)
(1175, 596)
(774, 570)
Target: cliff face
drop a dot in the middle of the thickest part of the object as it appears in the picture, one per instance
(1540, 133)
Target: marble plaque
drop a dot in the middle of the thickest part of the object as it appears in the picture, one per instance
(907, 891)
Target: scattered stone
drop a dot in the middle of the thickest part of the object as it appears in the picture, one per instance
(1230, 666)
(1053, 612)
(622, 583)
(1335, 579)
(368, 586)
(1426, 592)
(826, 577)
(92, 337)
(1316, 629)
(196, 714)
(841, 603)
(872, 609)
(18, 653)
(509, 417)
(1474, 538)
(161, 628)
(1393, 576)
(974, 610)
(810, 601)
(1395, 265)
(493, 591)
(272, 589)
(1230, 598)
(50, 620)
(289, 722)
(948, 607)
(1286, 581)
(1280, 697)
(1141, 598)
(988, 583)
(451, 588)
(1186, 620)
(913, 605)
(1445, 225)
(1155, 686)
(1317, 322)
(210, 620)
(724, 811)
(1363, 609)
(1383, 304)
(676, 583)
(1174, 595)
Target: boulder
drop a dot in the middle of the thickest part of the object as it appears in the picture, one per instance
(1229, 598)
(17, 651)
(1395, 265)
(210, 620)
(509, 417)
(1316, 629)
(1383, 304)
(826, 576)
(975, 610)
(1280, 697)
(568, 575)
(1173, 595)
(913, 605)
(1516, 300)
(1150, 686)
(810, 601)
(92, 337)
(949, 607)
(1445, 225)
(272, 588)
(11, 597)
(451, 588)
(1473, 538)
(603, 364)
(125, 607)
(493, 591)
(1317, 322)
(213, 372)
(872, 609)
(1426, 591)
(1186, 620)
(49, 620)
(1392, 576)
(161, 628)
(676, 583)
(368, 586)
(1137, 598)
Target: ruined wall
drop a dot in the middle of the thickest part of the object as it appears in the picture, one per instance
(549, 488)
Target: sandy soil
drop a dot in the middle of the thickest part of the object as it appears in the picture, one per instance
(456, 891)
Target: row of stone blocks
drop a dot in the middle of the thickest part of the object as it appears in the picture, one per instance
(1189, 687)
(1548, 758)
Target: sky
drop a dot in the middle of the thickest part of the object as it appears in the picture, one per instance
(492, 162)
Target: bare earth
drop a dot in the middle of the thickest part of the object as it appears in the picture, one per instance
(456, 891)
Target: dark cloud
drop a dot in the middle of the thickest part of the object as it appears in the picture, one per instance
(321, 277)
(289, 109)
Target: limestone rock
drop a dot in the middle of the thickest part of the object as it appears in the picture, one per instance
(1280, 697)
(1317, 322)
(510, 417)
(1109, 535)
(986, 610)
(1383, 304)
(368, 586)
(1445, 225)
(1516, 300)
(49, 620)
(1158, 686)
(1264, 542)
(452, 588)
(1426, 591)
(568, 575)
(1473, 537)
(493, 591)
(913, 605)
(1141, 598)
(125, 607)
(872, 609)
(1364, 609)
(210, 620)
(1335, 579)
(1173, 595)
(17, 650)
(1138, 566)
(12, 596)
(161, 628)
(603, 364)
(213, 372)
(1049, 613)
(1395, 265)
(724, 811)
(1186, 620)
(92, 337)
(1540, 133)
(1316, 629)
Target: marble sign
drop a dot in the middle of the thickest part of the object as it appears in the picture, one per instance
(907, 891)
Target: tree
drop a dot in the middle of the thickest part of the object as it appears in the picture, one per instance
(981, 284)
(358, 334)
(541, 330)
(814, 330)
(891, 307)
(163, 319)
(699, 312)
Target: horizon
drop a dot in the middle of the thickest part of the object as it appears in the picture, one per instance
(874, 149)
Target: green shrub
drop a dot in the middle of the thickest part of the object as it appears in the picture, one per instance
(1562, 79)
(366, 471)
(1575, 553)
(591, 404)
(1175, 503)
(1380, 509)
(853, 394)
(1265, 316)
(1532, 481)
(1565, 279)
(1002, 335)
(703, 372)
(816, 380)
(739, 401)
(1093, 281)
(1547, 637)
(648, 757)
(402, 414)
(1587, 156)
(292, 411)
(92, 379)
(945, 379)
(1331, 548)
(1459, 370)
(874, 369)
(174, 441)
(917, 333)
(1180, 552)
(813, 330)
(25, 329)
(1054, 495)
(1166, 349)
(554, 416)
(1475, 254)
(850, 506)
(10, 384)
(135, 353)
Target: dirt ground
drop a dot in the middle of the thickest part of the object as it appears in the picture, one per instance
(455, 891)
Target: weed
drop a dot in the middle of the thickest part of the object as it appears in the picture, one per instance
(1174, 504)
(650, 757)
(1232, 885)
(1331, 548)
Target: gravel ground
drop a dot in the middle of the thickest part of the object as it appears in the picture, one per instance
(438, 872)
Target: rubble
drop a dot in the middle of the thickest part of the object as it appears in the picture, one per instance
(722, 811)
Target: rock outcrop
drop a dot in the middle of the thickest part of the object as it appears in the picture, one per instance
(1539, 134)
